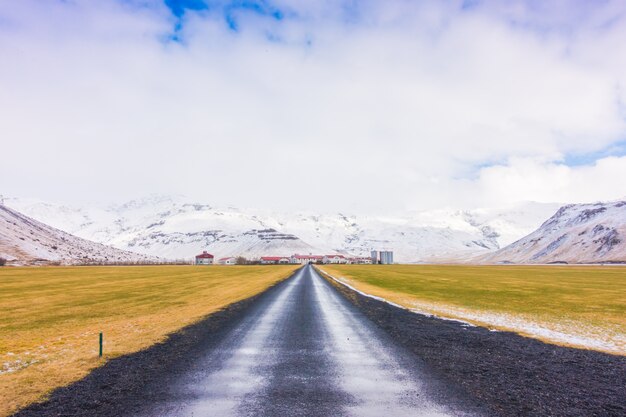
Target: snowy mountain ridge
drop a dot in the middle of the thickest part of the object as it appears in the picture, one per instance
(576, 233)
(174, 227)
(25, 241)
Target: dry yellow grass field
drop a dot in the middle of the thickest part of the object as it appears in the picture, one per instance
(580, 306)
(50, 317)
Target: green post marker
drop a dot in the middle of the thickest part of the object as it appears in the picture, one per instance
(100, 344)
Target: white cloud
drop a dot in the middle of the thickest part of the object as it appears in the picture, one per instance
(395, 109)
(546, 181)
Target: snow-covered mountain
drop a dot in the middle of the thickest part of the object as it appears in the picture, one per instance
(576, 233)
(174, 227)
(24, 241)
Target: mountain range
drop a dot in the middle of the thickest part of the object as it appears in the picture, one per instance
(173, 227)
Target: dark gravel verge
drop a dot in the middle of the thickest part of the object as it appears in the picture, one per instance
(511, 374)
(126, 385)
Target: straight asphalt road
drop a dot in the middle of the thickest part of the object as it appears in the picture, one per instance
(304, 350)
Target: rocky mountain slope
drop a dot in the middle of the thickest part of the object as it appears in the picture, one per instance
(174, 227)
(576, 233)
(25, 241)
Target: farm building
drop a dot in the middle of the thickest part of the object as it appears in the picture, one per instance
(204, 258)
(382, 257)
(227, 261)
(334, 259)
(306, 259)
(386, 257)
(360, 260)
(272, 260)
(374, 257)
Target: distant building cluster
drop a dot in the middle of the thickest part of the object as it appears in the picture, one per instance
(206, 258)
(314, 259)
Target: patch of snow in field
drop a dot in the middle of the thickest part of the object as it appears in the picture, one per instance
(569, 333)
(16, 365)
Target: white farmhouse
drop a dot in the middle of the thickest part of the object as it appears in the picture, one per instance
(227, 261)
(305, 259)
(334, 259)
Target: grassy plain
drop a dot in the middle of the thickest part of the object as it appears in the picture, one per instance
(50, 317)
(581, 306)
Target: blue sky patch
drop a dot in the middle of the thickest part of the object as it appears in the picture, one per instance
(228, 9)
(469, 4)
(616, 149)
(178, 7)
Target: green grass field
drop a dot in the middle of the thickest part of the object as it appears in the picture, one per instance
(581, 306)
(50, 317)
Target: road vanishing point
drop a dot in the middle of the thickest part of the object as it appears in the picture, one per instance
(304, 350)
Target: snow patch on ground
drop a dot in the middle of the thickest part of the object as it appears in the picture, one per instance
(16, 365)
(565, 332)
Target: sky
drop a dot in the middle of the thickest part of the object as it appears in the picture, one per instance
(361, 106)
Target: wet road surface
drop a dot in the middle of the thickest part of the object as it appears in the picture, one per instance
(305, 351)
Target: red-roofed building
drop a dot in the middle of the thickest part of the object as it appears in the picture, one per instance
(272, 260)
(360, 260)
(204, 258)
(227, 261)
